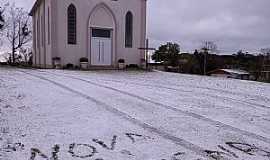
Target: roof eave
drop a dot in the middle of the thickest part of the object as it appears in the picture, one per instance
(35, 6)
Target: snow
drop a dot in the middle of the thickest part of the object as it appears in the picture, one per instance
(122, 115)
(2, 59)
(235, 71)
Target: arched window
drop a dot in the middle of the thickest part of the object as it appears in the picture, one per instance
(129, 30)
(71, 22)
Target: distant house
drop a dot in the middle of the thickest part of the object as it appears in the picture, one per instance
(157, 65)
(230, 73)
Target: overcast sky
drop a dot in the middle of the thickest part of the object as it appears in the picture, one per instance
(231, 24)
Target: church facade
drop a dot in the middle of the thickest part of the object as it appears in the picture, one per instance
(103, 31)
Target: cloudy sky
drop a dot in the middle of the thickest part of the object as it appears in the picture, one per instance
(231, 24)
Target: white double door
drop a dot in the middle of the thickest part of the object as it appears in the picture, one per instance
(101, 50)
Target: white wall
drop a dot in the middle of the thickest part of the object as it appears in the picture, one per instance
(72, 53)
(42, 49)
(47, 31)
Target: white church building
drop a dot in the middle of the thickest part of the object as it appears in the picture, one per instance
(103, 31)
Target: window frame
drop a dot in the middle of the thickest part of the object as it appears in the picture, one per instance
(72, 25)
(129, 30)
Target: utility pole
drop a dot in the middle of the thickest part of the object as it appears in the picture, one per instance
(205, 52)
(204, 64)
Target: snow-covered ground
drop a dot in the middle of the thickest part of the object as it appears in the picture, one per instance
(116, 115)
(2, 58)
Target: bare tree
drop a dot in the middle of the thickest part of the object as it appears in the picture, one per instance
(266, 56)
(18, 34)
(266, 62)
(207, 48)
(7, 57)
(25, 55)
(266, 51)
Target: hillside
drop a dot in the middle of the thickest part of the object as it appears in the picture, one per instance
(116, 115)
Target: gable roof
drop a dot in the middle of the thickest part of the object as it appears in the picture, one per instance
(35, 6)
(231, 71)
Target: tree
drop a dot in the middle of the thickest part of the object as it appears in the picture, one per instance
(265, 50)
(25, 56)
(168, 53)
(3, 6)
(2, 21)
(258, 66)
(266, 61)
(18, 34)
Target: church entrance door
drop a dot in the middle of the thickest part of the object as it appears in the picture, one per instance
(101, 47)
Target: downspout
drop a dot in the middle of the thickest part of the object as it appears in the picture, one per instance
(39, 38)
(54, 36)
(44, 33)
(34, 38)
(143, 27)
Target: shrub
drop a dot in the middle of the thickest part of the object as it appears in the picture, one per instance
(121, 61)
(133, 66)
(83, 59)
(69, 66)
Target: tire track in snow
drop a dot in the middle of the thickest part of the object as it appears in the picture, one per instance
(176, 140)
(222, 90)
(249, 104)
(5, 138)
(194, 115)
